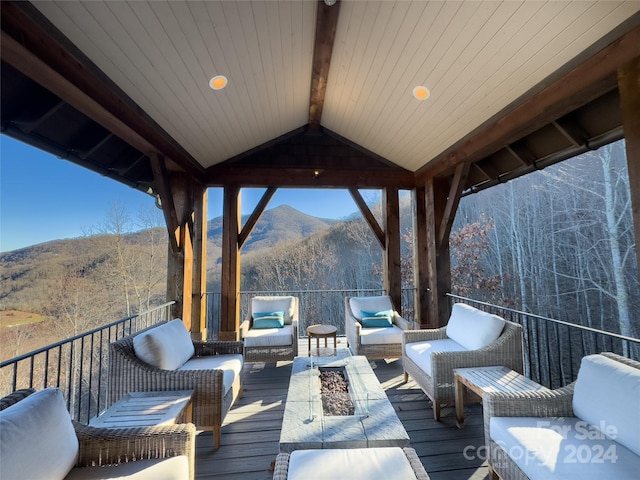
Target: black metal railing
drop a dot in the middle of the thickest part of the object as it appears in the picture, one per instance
(76, 365)
(315, 306)
(554, 348)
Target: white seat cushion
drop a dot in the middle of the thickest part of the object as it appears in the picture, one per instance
(562, 448)
(369, 304)
(378, 336)
(420, 352)
(173, 468)
(269, 337)
(166, 346)
(37, 438)
(230, 364)
(473, 328)
(608, 393)
(350, 463)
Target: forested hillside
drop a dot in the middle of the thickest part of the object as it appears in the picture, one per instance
(557, 243)
(78, 284)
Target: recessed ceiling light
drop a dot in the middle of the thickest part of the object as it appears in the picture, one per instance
(421, 93)
(218, 82)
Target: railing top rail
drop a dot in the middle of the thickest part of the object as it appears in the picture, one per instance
(79, 336)
(304, 291)
(547, 319)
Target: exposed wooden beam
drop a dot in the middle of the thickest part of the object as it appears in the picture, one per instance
(571, 131)
(255, 216)
(220, 176)
(44, 55)
(163, 187)
(230, 281)
(199, 298)
(420, 258)
(629, 81)
(368, 216)
(392, 280)
(584, 83)
(521, 153)
(326, 23)
(453, 200)
(487, 170)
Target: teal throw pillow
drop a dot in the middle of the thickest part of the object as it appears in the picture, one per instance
(268, 320)
(380, 319)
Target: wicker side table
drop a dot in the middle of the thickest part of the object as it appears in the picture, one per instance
(322, 331)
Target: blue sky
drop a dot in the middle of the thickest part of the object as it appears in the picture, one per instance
(44, 198)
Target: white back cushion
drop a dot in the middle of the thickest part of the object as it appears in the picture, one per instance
(37, 438)
(284, 304)
(473, 328)
(369, 304)
(609, 391)
(167, 346)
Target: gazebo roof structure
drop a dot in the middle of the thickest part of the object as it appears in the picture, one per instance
(319, 94)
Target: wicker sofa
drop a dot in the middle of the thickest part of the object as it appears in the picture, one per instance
(164, 357)
(588, 430)
(373, 343)
(352, 463)
(39, 440)
(471, 338)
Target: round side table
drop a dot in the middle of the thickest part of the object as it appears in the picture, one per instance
(322, 331)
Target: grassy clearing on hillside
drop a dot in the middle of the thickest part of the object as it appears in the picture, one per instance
(11, 318)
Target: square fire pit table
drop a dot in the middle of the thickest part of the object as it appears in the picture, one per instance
(305, 425)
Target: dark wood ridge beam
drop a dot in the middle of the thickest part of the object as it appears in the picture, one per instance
(326, 23)
(255, 216)
(32, 46)
(572, 131)
(368, 216)
(453, 200)
(584, 83)
(163, 187)
(220, 176)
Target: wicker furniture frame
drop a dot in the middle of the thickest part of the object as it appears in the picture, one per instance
(379, 351)
(110, 446)
(127, 373)
(281, 470)
(554, 403)
(271, 353)
(440, 388)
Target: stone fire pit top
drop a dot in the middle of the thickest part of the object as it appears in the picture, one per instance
(304, 426)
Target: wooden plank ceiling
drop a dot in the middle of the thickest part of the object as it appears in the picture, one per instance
(346, 111)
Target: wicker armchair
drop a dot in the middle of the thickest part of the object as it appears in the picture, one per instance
(369, 347)
(112, 446)
(439, 386)
(553, 405)
(271, 344)
(281, 470)
(210, 403)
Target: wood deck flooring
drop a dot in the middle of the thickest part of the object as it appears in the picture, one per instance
(251, 432)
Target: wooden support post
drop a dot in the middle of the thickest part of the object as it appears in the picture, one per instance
(392, 280)
(629, 85)
(439, 263)
(199, 300)
(230, 301)
(420, 259)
